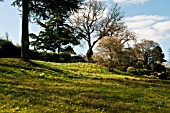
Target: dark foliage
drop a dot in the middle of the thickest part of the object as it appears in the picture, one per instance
(41, 9)
(64, 57)
(77, 59)
(56, 35)
(50, 57)
(157, 55)
(140, 72)
(163, 75)
(158, 68)
(8, 50)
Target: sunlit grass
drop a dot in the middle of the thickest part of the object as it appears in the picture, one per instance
(39, 87)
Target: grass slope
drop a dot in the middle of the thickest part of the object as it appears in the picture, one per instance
(40, 87)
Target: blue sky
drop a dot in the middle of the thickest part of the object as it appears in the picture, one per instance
(149, 19)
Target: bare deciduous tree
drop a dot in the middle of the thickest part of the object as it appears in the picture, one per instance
(95, 21)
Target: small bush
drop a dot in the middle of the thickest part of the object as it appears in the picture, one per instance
(158, 68)
(35, 55)
(144, 72)
(64, 57)
(51, 57)
(9, 50)
(163, 75)
(44, 56)
(148, 67)
(130, 68)
(55, 57)
(77, 59)
(134, 72)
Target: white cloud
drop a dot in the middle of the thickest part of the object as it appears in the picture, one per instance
(139, 24)
(145, 17)
(151, 27)
(162, 26)
(130, 1)
(125, 1)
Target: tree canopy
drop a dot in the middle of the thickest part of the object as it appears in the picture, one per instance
(157, 55)
(41, 9)
(95, 20)
(144, 50)
(44, 9)
(56, 35)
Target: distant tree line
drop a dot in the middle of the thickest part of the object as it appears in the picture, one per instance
(144, 57)
(66, 23)
(9, 50)
(37, 10)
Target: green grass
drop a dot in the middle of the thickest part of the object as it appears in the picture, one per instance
(39, 87)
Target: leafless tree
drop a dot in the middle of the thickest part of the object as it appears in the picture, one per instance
(96, 20)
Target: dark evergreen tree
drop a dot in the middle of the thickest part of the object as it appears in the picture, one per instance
(69, 49)
(56, 35)
(41, 9)
(157, 55)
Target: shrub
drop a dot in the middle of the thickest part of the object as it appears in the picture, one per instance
(134, 72)
(144, 72)
(148, 67)
(9, 50)
(97, 57)
(55, 57)
(138, 64)
(51, 57)
(35, 55)
(77, 58)
(158, 68)
(130, 68)
(64, 57)
(44, 56)
(163, 75)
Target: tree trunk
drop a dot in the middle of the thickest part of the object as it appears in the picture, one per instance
(59, 48)
(145, 60)
(25, 36)
(89, 54)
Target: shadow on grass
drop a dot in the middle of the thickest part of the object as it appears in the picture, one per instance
(43, 94)
(27, 66)
(42, 97)
(17, 63)
(6, 71)
(127, 81)
(38, 68)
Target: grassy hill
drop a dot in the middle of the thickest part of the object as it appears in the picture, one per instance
(39, 87)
